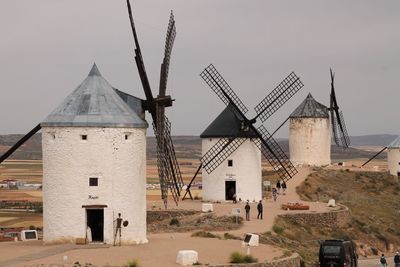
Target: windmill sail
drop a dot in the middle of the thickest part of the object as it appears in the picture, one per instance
(168, 168)
(264, 141)
(337, 120)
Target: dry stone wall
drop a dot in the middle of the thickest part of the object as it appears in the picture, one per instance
(326, 219)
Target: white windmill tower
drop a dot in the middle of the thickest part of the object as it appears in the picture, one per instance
(94, 165)
(232, 145)
(309, 134)
(309, 131)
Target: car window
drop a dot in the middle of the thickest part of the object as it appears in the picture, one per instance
(332, 250)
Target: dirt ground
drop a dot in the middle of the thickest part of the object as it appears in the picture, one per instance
(164, 245)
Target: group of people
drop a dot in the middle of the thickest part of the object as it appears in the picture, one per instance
(280, 185)
(259, 209)
(396, 260)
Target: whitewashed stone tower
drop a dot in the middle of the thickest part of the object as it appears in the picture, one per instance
(94, 165)
(393, 156)
(240, 173)
(309, 134)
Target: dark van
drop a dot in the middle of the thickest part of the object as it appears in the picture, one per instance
(337, 253)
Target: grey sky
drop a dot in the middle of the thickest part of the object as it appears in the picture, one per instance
(47, 48)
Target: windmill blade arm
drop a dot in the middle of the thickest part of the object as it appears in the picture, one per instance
(278, 97)
(168, 168)
(219, 152)
(345, 139)
(20, 143)
(274, 154)
(218, 84)
(169, 42)
(334, 128)
(138, 58)
(374, 156)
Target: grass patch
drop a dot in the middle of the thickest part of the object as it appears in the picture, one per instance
(237, 257)
(132, 263)
(278, 229)
(373, 203)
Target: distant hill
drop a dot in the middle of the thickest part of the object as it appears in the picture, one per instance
(190, 146)
(373, 140)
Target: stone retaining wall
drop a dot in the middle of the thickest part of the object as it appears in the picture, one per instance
(292, 261)
(326, 219)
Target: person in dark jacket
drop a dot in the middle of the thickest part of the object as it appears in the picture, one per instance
(278, 186)
(247, 209)
(283, 185)
(260, 210)
(383, 261)
(397, 260)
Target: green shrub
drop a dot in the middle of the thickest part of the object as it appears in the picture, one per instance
(132, 263)
(249, 259)
(174, 221)
(277, 229)
(237, 257)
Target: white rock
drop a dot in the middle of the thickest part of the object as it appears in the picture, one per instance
(187, 257)
(251, 240)
(331, 203)
(207, 207)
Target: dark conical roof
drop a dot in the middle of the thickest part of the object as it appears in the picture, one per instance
(94, 104)
(310, 108)
(227, 124)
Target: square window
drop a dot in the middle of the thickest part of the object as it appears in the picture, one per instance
(84, 137)
(230, 162)
(93, 181)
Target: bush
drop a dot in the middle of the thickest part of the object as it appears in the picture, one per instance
(249, 259)
(32, 227)
(132, 263)
(174, 221)
(277, 229)
(237, 257)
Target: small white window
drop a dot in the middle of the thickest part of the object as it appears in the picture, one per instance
(84, 137)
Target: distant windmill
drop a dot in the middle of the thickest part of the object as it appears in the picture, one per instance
(168, 168)
(393, 157)
(309, 130)
(232, 131)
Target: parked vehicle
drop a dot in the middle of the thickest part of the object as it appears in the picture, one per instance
(337, 253)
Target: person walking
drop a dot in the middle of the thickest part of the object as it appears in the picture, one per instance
(397, 260)
(247, 209)
(278, 186)
(260, 210)
(283, 187)
(234, 198)
(383, 261)
(274, 193)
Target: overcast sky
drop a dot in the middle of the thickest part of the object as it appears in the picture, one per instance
(47, 48)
